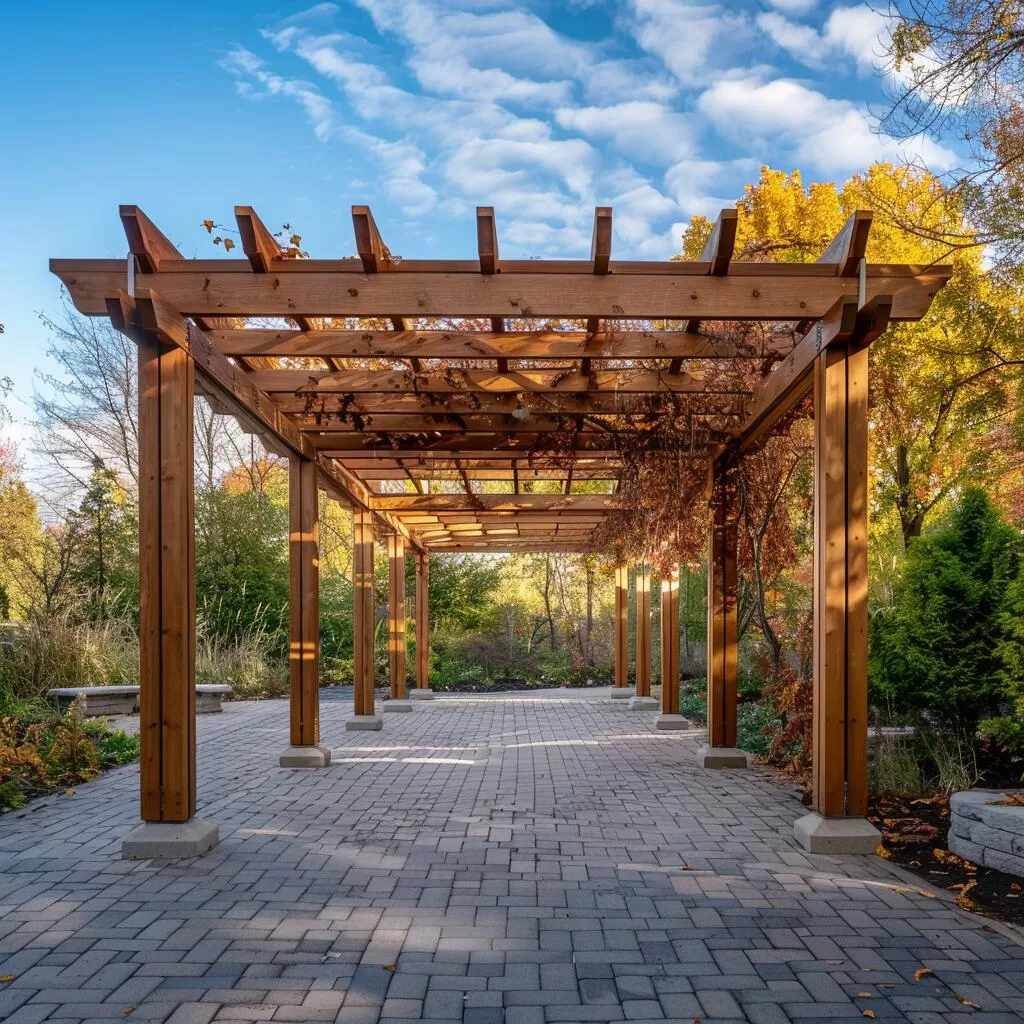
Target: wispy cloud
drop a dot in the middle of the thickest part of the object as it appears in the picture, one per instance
(449, 103)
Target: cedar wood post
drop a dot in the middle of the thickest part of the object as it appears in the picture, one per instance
(304, 601)
(840, 581)
(167, 593)
(722, 640)
(396, 615)
(670, 642)
(621, 626)
(422, 620)
(643, 630)
(364, 611)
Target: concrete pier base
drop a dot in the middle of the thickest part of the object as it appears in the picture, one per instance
(622, 692)
(672, 723)
(305, 757)
(818, 834)
(644, 704)
(170, 840)
(722, 757)
(396, 706)
(364, 723)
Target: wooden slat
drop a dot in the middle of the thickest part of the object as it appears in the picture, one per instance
(721, 243)
(788, 292)
(304, 602)
(317, 382)
(146, 242)
(847, 249)
(373, 253)
(422, 621)
(487, 240)
(493, 502)
(396, 616)
(601, 242)
(364, 608)
(481, 344)
(257, 242)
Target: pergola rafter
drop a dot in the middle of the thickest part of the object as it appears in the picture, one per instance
(499, 371)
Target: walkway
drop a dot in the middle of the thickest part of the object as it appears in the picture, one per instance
(518, 860)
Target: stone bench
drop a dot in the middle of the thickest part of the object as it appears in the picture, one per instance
(985, 833)
(122, 700)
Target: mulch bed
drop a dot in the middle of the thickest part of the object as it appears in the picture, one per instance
(914, 835)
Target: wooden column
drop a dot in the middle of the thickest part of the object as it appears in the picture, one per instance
(167, 571)
(396, 615)
(670, 642)
(621, 626)
(840, 581)
(722, 639)
(422, 620)
(304, 601)
(643, 631)
(364, 611)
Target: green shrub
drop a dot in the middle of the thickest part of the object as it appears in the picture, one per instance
(753, 718)
(937, 653)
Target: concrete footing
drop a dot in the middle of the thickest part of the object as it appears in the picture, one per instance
(672, 723)
(818, 834)
(399, 706)
(622, 692)
(421, 693)
(722, 757)
(305, 757)
(644, 704)
(364, 723)
(170, 840)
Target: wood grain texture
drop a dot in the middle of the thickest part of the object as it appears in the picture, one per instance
(304, 602)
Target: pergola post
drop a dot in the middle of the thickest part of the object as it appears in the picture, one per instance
(622, 688)
(839, 774)
(167, 607)
(720, 751)
(397, 625)
(422, 690)
(364, 616)
(643, 701)
(304, 749)
(670, 718)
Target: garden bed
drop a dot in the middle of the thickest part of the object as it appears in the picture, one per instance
(915, 836)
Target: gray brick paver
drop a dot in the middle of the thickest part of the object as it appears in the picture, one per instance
(510, 863)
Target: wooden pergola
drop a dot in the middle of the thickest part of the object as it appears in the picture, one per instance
(398, 385)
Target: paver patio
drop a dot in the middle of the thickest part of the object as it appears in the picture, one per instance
(524, 859)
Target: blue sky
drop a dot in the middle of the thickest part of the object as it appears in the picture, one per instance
(421, 108)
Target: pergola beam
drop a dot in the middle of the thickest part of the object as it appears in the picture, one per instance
(751, 291)
(494, 502)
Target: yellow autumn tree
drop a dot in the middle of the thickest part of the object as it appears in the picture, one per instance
(941, 390)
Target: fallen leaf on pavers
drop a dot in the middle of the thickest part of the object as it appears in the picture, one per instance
(865, 995)
(925, 892)
(4, 978)
(922, 972)
(887, 984)
(881, 851)
(868, 1013)
(964, 1001)
(962, 900)
(69, 792)
(835, 963)
(390, 967)
(128, 1009)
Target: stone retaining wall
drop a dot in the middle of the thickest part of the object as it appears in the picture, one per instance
(986, 834)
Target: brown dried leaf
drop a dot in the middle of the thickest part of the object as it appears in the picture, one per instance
(922, 972)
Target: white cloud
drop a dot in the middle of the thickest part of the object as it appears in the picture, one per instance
(398, 166)
(682, 33)
(834, 136)
(693, 183)
(860, 32)
(641, 129)
(247, 67)
(794, 6)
